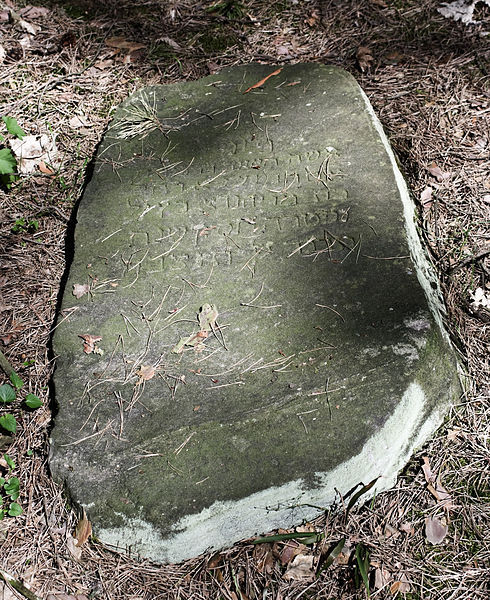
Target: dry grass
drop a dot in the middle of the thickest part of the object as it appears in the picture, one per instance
(429, 85)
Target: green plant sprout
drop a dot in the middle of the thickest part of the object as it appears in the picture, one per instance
(9, 492)
(8, 394)
(8, 162)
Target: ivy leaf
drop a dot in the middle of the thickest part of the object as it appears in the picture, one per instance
(12, 486)
(15, 509)
(9, 462)
(33, 401)
(16, 381)
(7, 393)
(13, 127)
(9, 423)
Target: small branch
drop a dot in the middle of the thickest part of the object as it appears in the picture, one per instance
(473, 258)
(18, 586)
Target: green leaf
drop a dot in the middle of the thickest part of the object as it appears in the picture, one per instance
(307, 537)
(33, 401)
(7, 393)
(358, 494)
(15, 509)
(16, 381)
(9, 461)
(14, 496)
(326, 560)
(12, 486)
(8, 422)
(2, 482)
(2, 514)
(8, 164)
(13, 127)
(362, 560)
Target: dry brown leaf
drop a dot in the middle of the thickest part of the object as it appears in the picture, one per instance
(300, 569)
(29, 27)
(438, 173)
(381, 578)
(313, 19)
(122, 44)
(262, 81)
(83, 531)
(33, 12)
(291, 549)
(364, 58)
(435, 530)
(146, 372)
(426, 198)
(407, 528)
(78, 121)
(44, 168)
(73, 549)
(80, 290)
(264, 558)
(401, 586)
(435, 487)
(90, 342)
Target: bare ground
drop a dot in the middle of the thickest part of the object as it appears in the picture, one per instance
(428, 81)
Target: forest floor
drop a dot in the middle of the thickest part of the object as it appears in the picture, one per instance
(64, 66)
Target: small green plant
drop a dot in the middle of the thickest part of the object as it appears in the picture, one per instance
(8, 394)
(23, 226)
(9, 491)
(8, 162)
(361, 568)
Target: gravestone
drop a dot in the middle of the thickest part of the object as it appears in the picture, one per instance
(249, 320)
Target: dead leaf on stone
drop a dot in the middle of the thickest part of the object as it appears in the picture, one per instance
(73, 548)
(426, 198)
(364, 58)
(438, 173)
(83, 531)
(435, 530)
(90, 342)
(300, 569)
(146, 372)
(381, 578)
(80, 290)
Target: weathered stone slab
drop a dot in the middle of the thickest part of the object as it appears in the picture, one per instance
(266, 335)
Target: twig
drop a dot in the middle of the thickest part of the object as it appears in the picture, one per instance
(469, 259)
(18, 586)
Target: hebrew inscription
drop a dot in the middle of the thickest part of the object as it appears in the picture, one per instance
(251, 293)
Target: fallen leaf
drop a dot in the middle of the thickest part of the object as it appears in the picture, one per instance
(80, 290)
(207, 317)
(407, 528)
(34, 12)
(300, 569)
(31, 150)
(313, 19)
(426, 198)
(435, 530)
(83, 531)
(438, 173)
(264, 558)
(90, 342)
(29, 27)
(364, 58)
(262, 81)
(73, 549)
(401, 586)
(381, 578)
(146, 372)
(435, 487)
(122, 44)
(453, 434)
(291, 549)
(44, 168)
(78, 121)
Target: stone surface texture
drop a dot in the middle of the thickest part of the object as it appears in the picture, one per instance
(265, 335)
